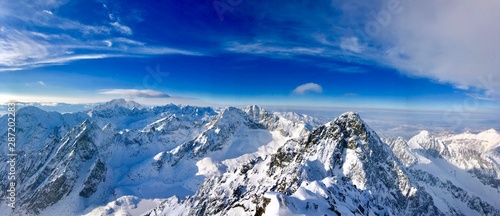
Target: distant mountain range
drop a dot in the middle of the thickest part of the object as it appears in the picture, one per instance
(121, 158)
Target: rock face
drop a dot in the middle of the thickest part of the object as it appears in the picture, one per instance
(123, 158)
(96, 175)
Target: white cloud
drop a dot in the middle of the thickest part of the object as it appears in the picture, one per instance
(108, 43)
(272, 49)
(42, 83)
(19, 50)
(24, 47)
(308, 87)
(351, 44)
(128, 41)
(154, 50)
(146, 93)
(65, 59)
(455, 42)
(11, 69)
(122, 28)
(41, 35)
(349, 50)
(16, 48)
(54, 61)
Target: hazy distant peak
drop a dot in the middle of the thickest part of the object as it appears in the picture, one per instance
(129, 104)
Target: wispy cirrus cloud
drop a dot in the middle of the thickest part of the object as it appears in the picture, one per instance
(31, 45)
(351, 44)
(122, 28)
(308, 87)
(23, 50)
(273, 49)
(158, 50)
(133, 93)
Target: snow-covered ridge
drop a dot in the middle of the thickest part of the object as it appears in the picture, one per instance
(483, 142)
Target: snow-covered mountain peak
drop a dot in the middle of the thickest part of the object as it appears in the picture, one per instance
(88, 128)
(482, 142)
(421, 138)
(230, 119)
(433, 146)
(118, 103)
(353, 124)
(347, 119)
(254, 110)
(424, 134)
(196, 111)
(89, 124)
(400, 139)
(349, 115)
(346, 141)
(492, 136)
(31, 110)
(253, 107)
(231, 114)
(259, 114)
(490, 131)
(31, 115)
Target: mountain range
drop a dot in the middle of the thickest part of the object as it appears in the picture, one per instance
(122, 158)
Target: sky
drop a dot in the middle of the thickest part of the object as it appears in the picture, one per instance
(390, 54)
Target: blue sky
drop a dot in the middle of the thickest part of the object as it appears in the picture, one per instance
(421, 55)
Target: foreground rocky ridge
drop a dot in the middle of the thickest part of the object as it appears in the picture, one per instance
(122, 158)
